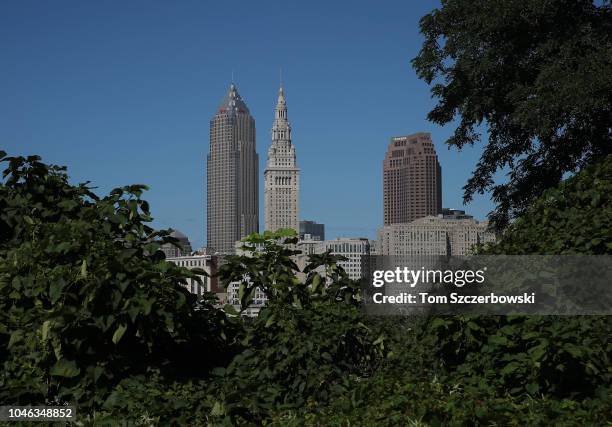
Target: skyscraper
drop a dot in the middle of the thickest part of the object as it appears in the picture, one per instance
(412, 179)
(282, 176)
(231, 175)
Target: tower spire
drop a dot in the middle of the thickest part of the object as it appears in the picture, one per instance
(281, 93)
(281, 122)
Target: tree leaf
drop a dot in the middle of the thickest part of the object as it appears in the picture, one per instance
(83, 274)
(65, 368)
(119, 333)
(45, 329)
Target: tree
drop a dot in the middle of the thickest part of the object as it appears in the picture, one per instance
(574, 217)
(536, 74)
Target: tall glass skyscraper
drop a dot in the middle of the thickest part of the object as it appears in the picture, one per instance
(232, 175)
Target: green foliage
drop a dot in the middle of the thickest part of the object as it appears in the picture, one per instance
(573, 218)
(489, 370)
(561, 356)
(155, 400)
(268, 264)
(306, 341)
(391, 401)
(86, 298)
(555, 356)
(536, 74)
(416, 386)
(91, 314)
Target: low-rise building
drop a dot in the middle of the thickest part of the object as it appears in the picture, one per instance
(210, 283)
(446, 234)
(353, 248)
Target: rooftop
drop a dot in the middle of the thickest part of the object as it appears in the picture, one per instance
(232, 102)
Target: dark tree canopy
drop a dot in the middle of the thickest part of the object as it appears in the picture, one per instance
(536, 74)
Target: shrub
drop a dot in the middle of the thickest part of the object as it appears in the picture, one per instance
(306, 340)
(86, 298)
(562, 356)
(90, 313)
(573, 218)
(490, 370)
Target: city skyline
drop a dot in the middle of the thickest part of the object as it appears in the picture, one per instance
(124, 98)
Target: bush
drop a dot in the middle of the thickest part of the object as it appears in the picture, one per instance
(492, 370)
(86, 298)
(573, 218)
(559, 356)
(305, 342)
(91, 314)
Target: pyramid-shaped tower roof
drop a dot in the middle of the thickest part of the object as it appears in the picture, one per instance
(232, 102)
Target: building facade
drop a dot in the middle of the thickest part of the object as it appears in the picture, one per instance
(183, 248)
(232, 206)
(233, 289)
(412, 179)
(433, 235)
(352, 248)
(316, 231)
(281, 176)
(209, 283)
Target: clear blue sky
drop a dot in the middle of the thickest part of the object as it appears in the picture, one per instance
(122, 92)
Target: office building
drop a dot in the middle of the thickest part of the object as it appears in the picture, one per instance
(210, 283)
(352, 248)
(433, 235)
(232, 206)
(316, 231)
(412, 179)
